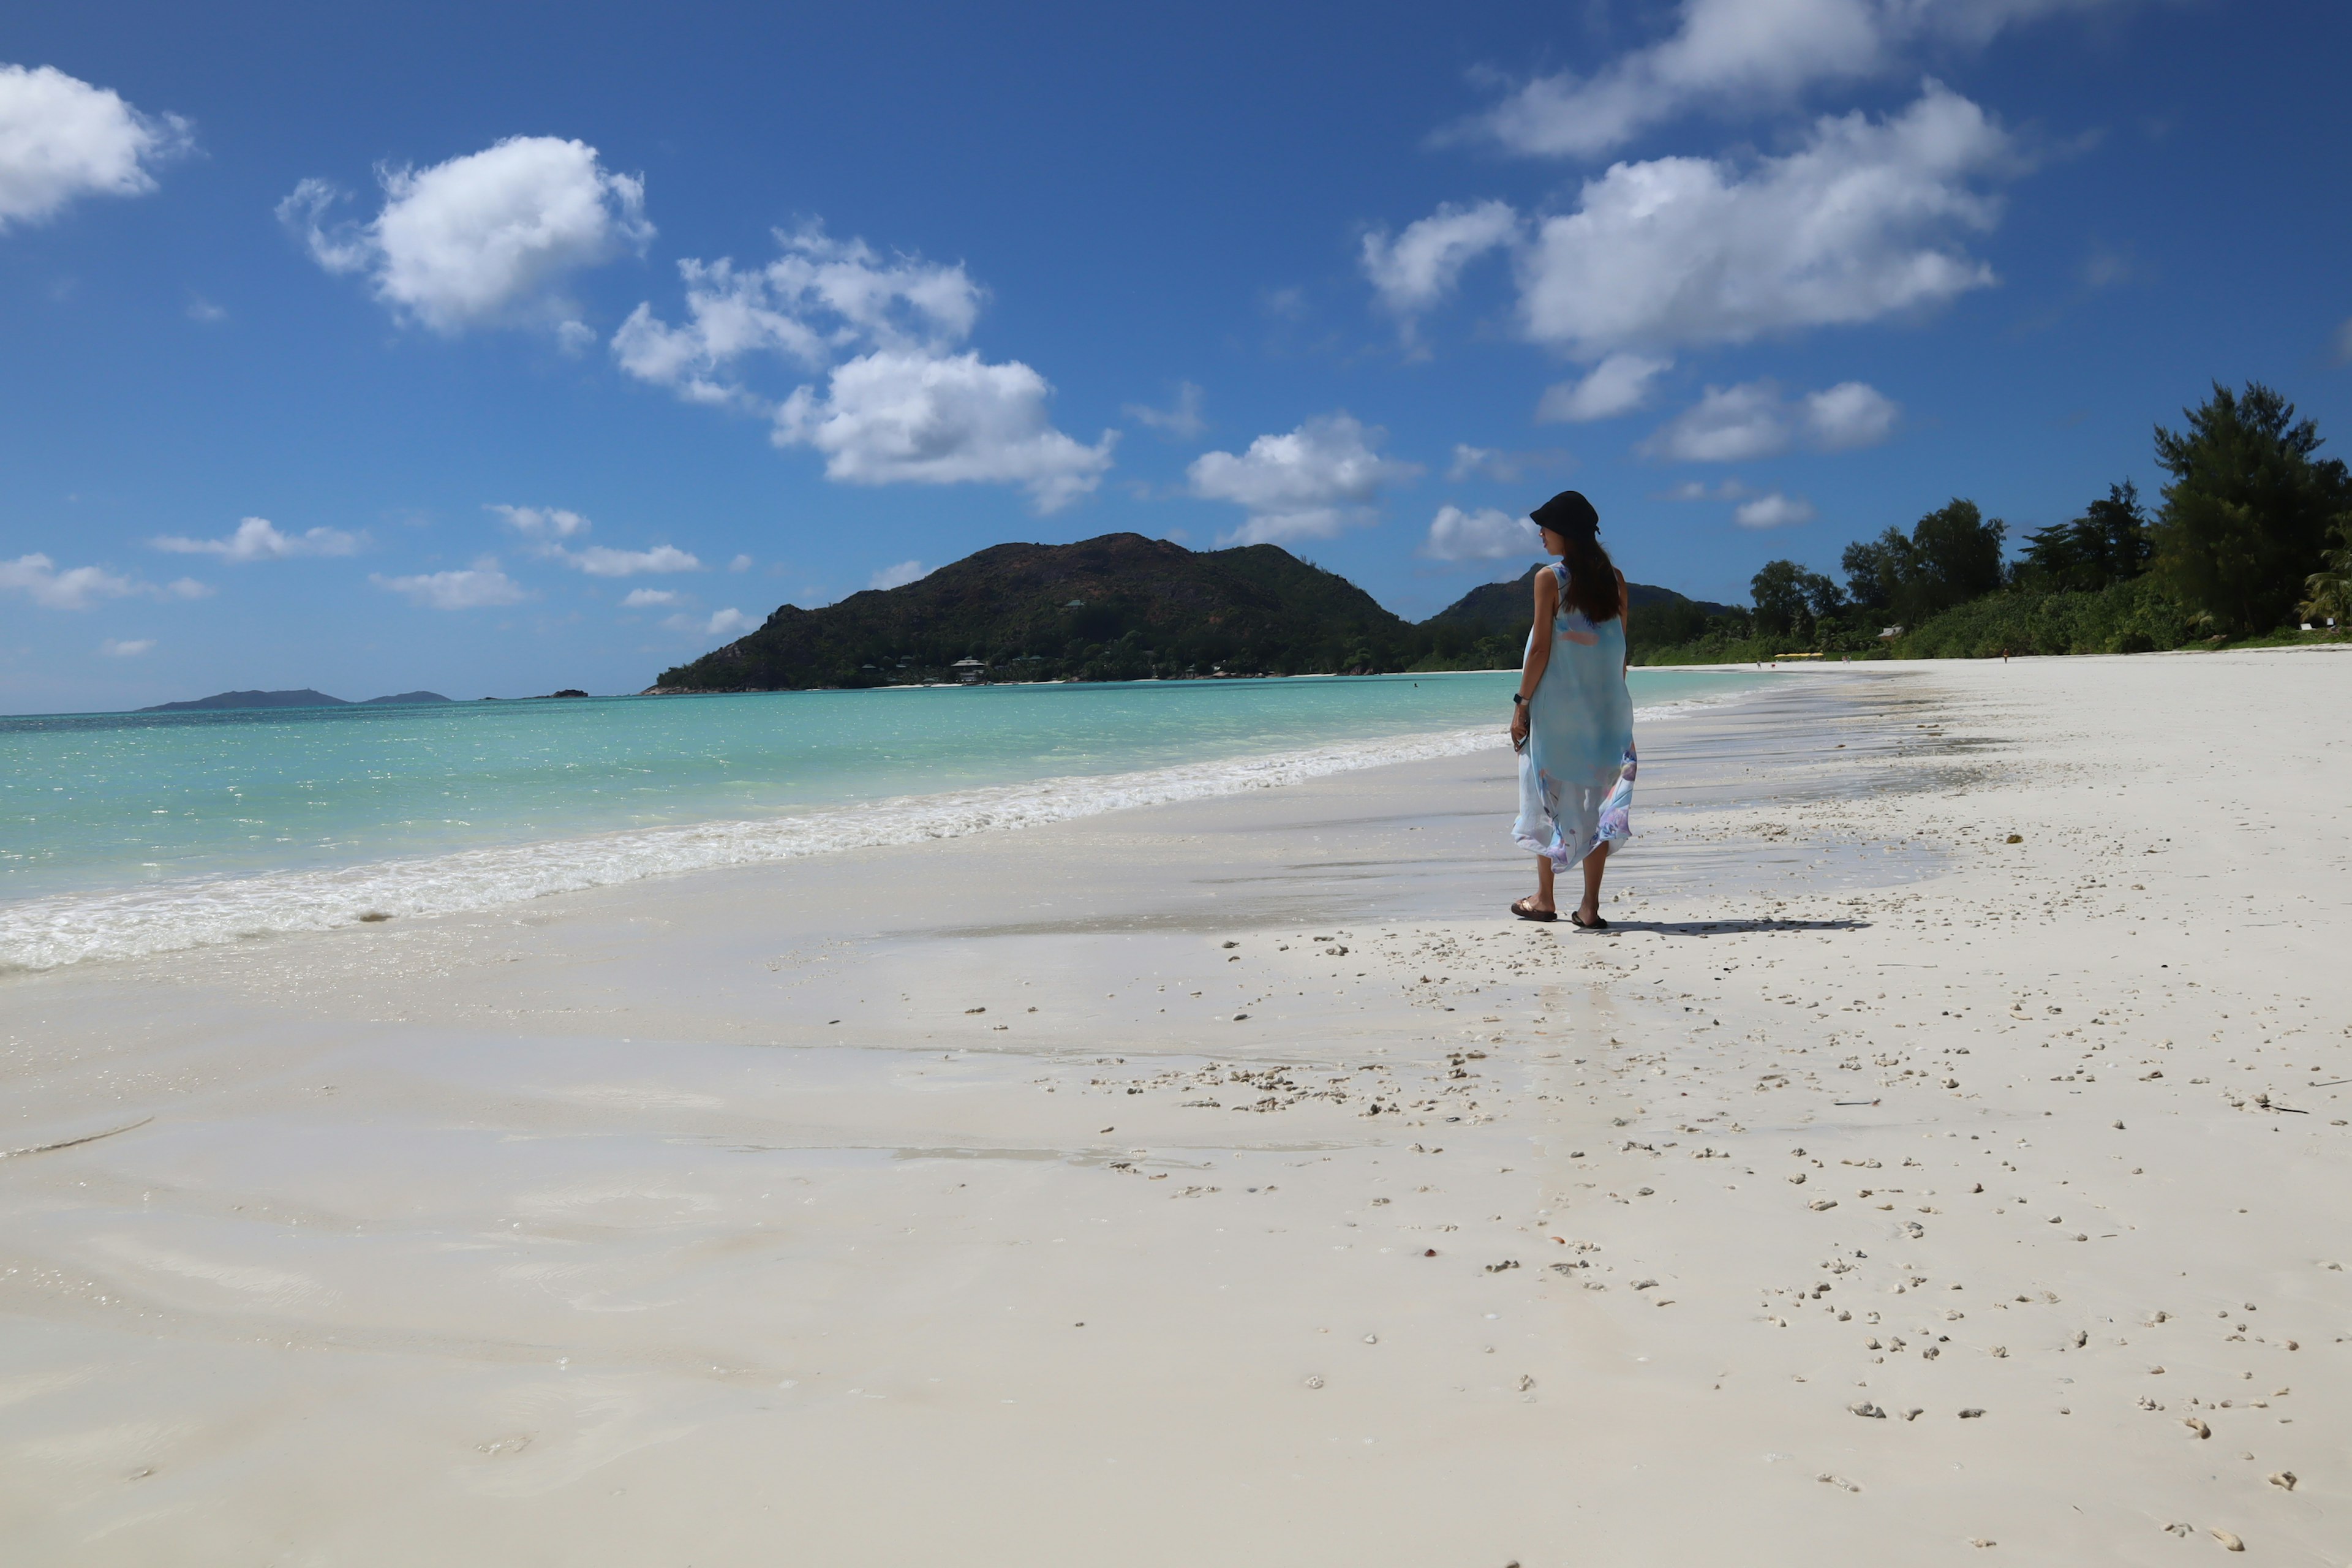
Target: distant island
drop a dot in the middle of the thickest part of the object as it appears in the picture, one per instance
(1125, 607)
(305, 698)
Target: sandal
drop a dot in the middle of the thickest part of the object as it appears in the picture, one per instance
(1525, 908)
(1576, 918)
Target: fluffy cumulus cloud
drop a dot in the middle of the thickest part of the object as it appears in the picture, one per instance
(80, 587)
(1856, 225)
(541, 524)
(728, 622)
(60, 139)
(907, 416)
(822, 299)
(650, 599)
(257, 539)
(1756, 419)
(1729, 56)
(1307, 484)
(1773, 510)
(598, 561)
(900, 403)
(1618, 384)
(486, 239)
(1421, 265)
(898, 576)
(1485, 534)
(479, 586)
(545, 529)
(1864, 220)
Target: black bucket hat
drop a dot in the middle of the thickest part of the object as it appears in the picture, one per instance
(1568, 514)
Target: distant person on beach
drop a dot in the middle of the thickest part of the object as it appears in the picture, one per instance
(1572, 721)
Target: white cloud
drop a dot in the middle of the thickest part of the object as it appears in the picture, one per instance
(905, 409)
(740, 564)
(203, 309)
(485, 239)
(1307, 484)
(1618, 384)
(79, 587)
(1692, 490)
(479, 586)
(1181, 423)
(1773, 510)
(1469, 462)
(644, 598)
(546, 528)
(898, 576)
(1855, 225)
(728, 622)
(1733, 423)
(541, 524)
(257, 540)
(61, 137)
(598, 561)
(1509, 468)
(1420, 267)
(1729, 424)
(115, 648)
(1733, 54)
(822, 299)
(898, 417)
(1485, 534)
(1851, 414)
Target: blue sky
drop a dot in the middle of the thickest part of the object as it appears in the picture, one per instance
(548, 346)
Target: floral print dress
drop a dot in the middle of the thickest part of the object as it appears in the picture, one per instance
(1576, 775)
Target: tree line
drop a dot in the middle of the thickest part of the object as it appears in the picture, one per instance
(2253, 534)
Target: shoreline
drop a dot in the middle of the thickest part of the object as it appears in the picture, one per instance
(130, 920)
(987, 1200)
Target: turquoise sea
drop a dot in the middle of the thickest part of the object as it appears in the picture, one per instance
(122, 833)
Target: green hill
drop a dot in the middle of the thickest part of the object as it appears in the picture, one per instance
(1121, 607)
(1488, 627)
(1124, 607)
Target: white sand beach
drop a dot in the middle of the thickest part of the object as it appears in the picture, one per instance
(1943, 1159)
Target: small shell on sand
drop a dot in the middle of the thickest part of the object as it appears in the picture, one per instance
(2284, 1479)
(1819, 1203)
(2197, 1427)
(2229, 1541)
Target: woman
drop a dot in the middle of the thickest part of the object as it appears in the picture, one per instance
(1572, 721)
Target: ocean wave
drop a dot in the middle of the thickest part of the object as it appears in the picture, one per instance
(49, 932)
(44, 934)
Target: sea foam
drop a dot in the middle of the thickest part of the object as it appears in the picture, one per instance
(47, 932)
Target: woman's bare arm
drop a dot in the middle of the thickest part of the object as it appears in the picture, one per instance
(1531, 673)
(1625, 620)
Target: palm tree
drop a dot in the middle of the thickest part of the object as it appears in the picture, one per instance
(2331, 589)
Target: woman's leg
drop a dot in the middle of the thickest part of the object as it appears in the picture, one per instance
(1543, 900)
(1593, 863)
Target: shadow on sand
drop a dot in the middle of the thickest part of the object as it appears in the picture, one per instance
(1718, 928)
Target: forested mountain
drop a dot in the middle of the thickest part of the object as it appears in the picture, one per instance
(1121, 607)
(1124, 607)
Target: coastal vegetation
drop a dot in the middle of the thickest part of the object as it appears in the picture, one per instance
(2252, 540)
(2253, 530)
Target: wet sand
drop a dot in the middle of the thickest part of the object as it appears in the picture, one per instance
(1235, 1182)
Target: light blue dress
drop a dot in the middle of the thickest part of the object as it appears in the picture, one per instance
(1576, 775)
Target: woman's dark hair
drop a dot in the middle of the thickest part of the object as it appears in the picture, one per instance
(1591, 575)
